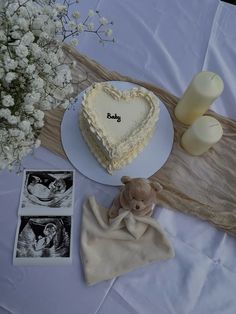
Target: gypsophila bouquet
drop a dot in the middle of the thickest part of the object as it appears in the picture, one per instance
(33, 73)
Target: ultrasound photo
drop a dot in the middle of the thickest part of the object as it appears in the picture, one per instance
(47, 189)
(43, 238)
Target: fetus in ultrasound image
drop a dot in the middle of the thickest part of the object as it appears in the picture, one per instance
(44, 236)
(48, 189)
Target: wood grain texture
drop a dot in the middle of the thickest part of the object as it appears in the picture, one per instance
(203, 186)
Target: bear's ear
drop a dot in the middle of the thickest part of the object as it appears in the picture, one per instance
(125, 179)
(156, 186)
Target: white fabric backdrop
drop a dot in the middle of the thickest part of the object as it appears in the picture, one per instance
(164, 42)
(220, 57)
(161, 41)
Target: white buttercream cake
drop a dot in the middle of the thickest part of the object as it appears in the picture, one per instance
(117, 124)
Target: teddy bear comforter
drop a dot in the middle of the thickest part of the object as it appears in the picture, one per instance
(110, 248)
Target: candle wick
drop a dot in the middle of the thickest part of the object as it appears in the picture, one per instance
(213, 125)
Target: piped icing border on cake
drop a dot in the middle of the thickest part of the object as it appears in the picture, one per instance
(147, 124)
(110, 165)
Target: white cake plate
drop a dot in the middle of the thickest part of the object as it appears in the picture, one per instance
(149, 161)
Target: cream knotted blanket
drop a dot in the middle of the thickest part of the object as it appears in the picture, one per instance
(111, 248)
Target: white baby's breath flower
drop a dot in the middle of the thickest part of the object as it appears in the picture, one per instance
(23, 23)
(37, 143)
(108, 32)
(74, 42)
(30, 69)
(47, 68)
(21, 2)
(103, 21)
(31, 99)
(58, 26)
(3, 48)
(3, 37)
(11, 9)
(3, 134)
(52, 59)
(38, 114)
(37, 83)
(49, 10)
(21, 135)
(22, 51)
(38, 23)
(31, 120)
(8, 101)
(58, 96)
(44, 35)
(12, 119)
(5, 113)
(61, 8)
(26, 149)
(65, 73)
(90, 26)
(80, 27)
(2, 72)
(45, 105)
(28, 38)
(36, 67)
(39, 124)
(60, 54)
(15, 27)
(10, 77)
(36, 50)
(14, 132)
(24, 12)
(74, 64)
(9, 63)
(76, 14)
(3, 164)
(15, 35)
(25, 126)
(91, 13)
(29, 108)
(65, 104)
(49, 28)
(23, 63)
(49, 98)
(69, 89)
(72, 25)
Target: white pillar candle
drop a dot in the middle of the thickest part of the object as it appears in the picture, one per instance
(201, 135)
(200, 94)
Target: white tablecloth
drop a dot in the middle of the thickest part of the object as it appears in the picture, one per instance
(164, 42)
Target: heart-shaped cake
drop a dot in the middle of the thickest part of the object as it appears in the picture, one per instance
(117, 124)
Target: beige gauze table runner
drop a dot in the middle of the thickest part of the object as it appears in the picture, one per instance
(203, 186)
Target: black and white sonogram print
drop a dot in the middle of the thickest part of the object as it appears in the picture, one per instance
(48, 189)
(44, 236)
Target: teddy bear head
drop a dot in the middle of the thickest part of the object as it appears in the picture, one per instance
(139, 195)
